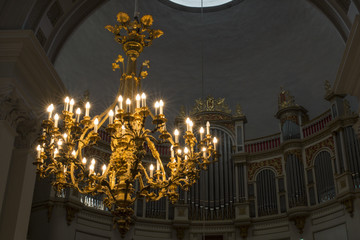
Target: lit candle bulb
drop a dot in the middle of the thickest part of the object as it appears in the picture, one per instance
(65, 169)
(176, 133)
(151, 170)
(207, 128)
(72, 102)
(73, 153)
(128, 104)
(87, 109)
(138, 100)
(50, 109)
(123, 129)
(84, 161)
(157, 165)
(111, 117)
(187, 121)
(66, 106)
(172, 151)
(56, 118)
(120, 100)
(38, 151)
(179, 151)
(78, 112)
(204, 152)
(93, 162)
(56, 151)
(91, 168)
(161, 105)
(186, 151)
(215, 142)
(191, 124)
(201, 133)
(103, 169)
(143, 100)
(156, 107)
(65, 137)
(59, 144)
(96, 122)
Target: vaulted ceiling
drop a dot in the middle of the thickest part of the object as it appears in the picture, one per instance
(243, 51)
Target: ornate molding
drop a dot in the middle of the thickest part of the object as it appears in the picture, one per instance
(314, 149)
(210, 104)
(70, 213)
(299, 222)
(274, 163)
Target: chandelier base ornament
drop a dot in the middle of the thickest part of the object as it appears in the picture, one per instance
(126, 176)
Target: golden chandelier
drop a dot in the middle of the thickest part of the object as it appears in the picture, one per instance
(65, 137)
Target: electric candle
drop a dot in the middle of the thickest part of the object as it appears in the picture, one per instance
(73, 153)
(56, 118)
(65, 137)
(59, 144)
(207, 128)
(116, 111)
(66, 106)
(176, 133)
(191, 124)
(123, 129)
(72, 102)
(204, 152)
(38, 151)
(128, 104)
(120, 99)
(161, 105)
(187, 123)
(91, 168)
(50, 109)
(157, 165)
(215, 142)
(56, 151)
(96, 122)
(87, 109)
(157, 105)
(201, 133)
(138, 101)
(78, 112)
(111, 117)
(84, 161)
(143, 100)
(151, 170)
(103, 169)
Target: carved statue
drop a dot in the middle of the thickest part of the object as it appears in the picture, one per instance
(210, 104)
(285, 99)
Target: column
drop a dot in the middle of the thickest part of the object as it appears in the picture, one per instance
(237, 182)
(15, 216)
(346, 167)
(7, 137)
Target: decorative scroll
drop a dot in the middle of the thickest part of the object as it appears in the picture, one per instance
(210, 104)
(275, 163)
(289, 117)
(239, 112)
(311, 151)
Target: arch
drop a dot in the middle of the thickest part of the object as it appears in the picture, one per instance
(323, 149)
(266, 193)
(324, 176)
(295, 181)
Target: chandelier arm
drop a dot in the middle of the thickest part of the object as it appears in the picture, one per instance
(156, 155)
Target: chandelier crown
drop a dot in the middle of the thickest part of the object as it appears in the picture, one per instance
(136, 35)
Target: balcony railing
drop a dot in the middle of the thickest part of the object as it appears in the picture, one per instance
(317, 124)
(262, 144)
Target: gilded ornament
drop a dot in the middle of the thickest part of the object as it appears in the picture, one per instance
(122, 17)
(147, 20)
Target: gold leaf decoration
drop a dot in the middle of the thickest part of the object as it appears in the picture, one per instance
(122, 17)
(157, 33)
(146, 63)
(120, 59)
(143, 74)
(147, 20)
(115, 66)
(110, 28)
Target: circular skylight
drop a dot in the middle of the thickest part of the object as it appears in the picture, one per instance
(197, 3)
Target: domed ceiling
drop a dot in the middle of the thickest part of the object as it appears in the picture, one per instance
(244, 53)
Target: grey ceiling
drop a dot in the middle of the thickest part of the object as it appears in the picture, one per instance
(249, 51)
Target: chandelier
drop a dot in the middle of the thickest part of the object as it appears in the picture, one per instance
(67, 135)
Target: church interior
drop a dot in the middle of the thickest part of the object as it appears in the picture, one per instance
(179, 119)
